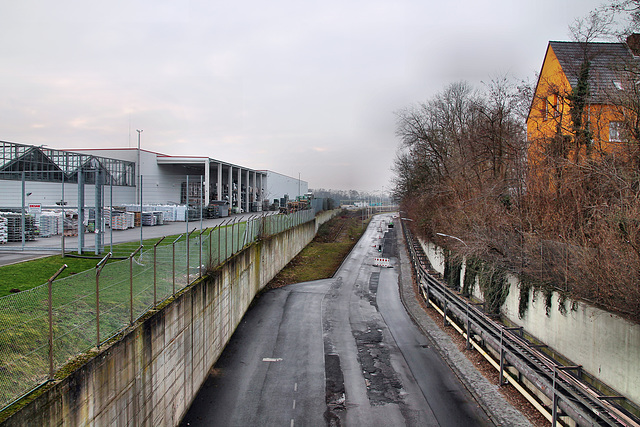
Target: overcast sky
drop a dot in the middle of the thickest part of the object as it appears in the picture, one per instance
(305, 87)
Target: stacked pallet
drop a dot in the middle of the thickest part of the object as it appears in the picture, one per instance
(171, 213)
(71, 224)
(49, 223)
(123, 220)
(119, 221)
(148, 218)
(152, 218)
(159, 217)
(3, 230)
(14, 227)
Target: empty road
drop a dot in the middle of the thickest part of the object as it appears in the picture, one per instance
(340, 351)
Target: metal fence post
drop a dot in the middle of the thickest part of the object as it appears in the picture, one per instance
(51, 319)
(238, 247)
(226, 238)
(210, 248)
(173, 263)
(131, 281)
(200, 241)
(155, 269)
(188, 262)
(219, 234)
(99, 266)
(233, 226)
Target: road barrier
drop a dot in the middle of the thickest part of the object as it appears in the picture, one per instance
(562, 385)
(381, 262)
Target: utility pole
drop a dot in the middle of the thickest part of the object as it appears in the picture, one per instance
(138, 170)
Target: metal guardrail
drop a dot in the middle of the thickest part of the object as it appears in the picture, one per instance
(559, 383)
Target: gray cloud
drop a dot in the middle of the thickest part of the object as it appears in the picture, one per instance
(296, 87)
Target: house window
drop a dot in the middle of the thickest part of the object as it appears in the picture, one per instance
(616, 132)
(551, 106)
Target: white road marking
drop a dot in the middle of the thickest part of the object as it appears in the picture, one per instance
(272, 359)
(294, 404)
(295, 387)
(291, 422)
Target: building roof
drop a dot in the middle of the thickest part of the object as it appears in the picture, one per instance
(607, 64)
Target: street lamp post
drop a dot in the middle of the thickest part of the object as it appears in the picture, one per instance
(453, 237)
(138, 167)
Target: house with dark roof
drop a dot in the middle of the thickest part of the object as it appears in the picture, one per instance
(578, 109)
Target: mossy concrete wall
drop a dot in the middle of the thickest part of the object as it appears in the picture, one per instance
(605, 344)
(151, 375)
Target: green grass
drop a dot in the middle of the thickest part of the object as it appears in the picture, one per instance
(24, 324)
(323, 256)
(24, 320)
(29, 274)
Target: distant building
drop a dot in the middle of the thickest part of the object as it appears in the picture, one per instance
(278, 186)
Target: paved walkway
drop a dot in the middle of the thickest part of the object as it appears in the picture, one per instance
(13, 252)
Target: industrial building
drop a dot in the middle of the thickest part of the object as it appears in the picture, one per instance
(47, 192)
(36, 175)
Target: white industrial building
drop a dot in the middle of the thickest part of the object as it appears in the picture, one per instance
(42, 176)
(280, 186)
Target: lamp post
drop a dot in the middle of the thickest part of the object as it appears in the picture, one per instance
(138, 167)
(453, 237)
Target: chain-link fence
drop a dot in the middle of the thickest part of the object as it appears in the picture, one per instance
(43, 328)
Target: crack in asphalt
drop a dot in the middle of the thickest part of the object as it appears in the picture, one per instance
(383, 384)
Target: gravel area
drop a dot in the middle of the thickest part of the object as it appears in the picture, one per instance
(503, 405)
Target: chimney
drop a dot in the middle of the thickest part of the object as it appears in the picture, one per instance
(633, 41)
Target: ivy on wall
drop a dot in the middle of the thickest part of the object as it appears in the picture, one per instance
(452, 270)
(473, 268)
(495, 287)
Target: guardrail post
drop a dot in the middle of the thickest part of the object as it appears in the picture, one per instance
(554, 411)
(426, 290)
(468, 328)
(99, 266)
(501, 380)
(50, 284)
(444, 305)
(155, 268)
(131, 282)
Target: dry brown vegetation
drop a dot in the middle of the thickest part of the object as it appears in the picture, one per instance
(572, 226)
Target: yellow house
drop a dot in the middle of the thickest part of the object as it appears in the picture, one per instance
(578, 109)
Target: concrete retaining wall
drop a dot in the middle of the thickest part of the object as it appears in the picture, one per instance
(605, 344)
(152, 374)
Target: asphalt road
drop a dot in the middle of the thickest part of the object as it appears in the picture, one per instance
(340, 351)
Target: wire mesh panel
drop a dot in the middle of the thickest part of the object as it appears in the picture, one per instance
(24, 332)
(74, 316)
(90, 307)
